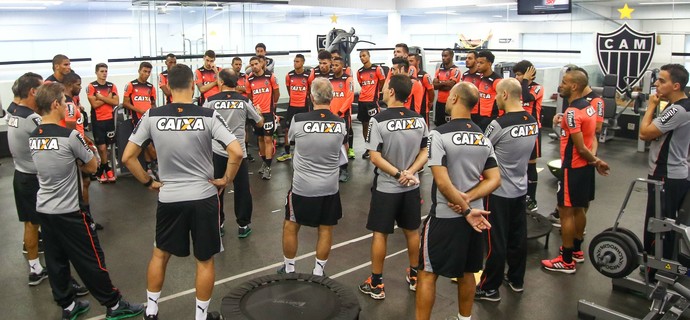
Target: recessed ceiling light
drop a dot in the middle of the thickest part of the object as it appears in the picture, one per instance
(22, 8)
(497, 16)
(497, 4)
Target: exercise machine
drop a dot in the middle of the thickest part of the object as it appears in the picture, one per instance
(617, 252)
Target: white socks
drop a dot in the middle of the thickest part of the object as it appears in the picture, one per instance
(319, 265)
(202, 309)
(152, 302)
(289, 264)
(464, 318)
(35, 266)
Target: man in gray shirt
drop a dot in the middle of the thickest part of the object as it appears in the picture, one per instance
(451, 240)
(314, 199)
(188, 200)
(21, 121)
(397, 145)
(69, 235)
(235, 109)
(668, 151)
(513, 136)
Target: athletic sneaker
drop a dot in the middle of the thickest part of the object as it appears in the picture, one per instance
(555, 218)
(267, 174)
(151, 317)
(36, 278)
(376, 293)
(411, 280)
(365, 155)
(79, 290)
(351, 153)
(80, 307)
(40, 247)
(124, 310)
(281, 270)
(243, 232)
(488, 295)
(515, 287)
(578, 256)
(557, 264)
(250, 157)
(214, 316)
(344, 176)
(102, 178)
(532, 205)
(111, 175)
(284, 157)
(263, 167)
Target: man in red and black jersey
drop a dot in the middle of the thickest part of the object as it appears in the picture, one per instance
(206, 77)
(532, 96)
(487, 109)
(370, 78)
(170, 61)
(471, 75)
(260, 51)
(297, 88)
(335, 53)
(341, 105)
(242, 77)
(103, 98)
(402, 50)
(425, 79)
(61, 67)
(263, 91)
(447, 75)
(324, 68)
(139, 97)
(400, 65)
(578, 162)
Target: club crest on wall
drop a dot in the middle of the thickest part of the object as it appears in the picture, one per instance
(625, 53)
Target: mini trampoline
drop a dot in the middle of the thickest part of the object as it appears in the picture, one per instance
(291, 296)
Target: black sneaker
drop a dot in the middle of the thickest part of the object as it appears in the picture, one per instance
(243, 232)
(79, 290)
(375, 292)
(124, 310)
(555, 218)
(40, 247)
(80, 307)
(36, 278)
(515, 287)
(282, 270)
(488, 295)
(365, 155)
(214, 316)
(250, 158)
(532, 205)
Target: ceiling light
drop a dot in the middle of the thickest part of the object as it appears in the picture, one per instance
(45, 3)
(22, 8)
(497, 16)
(497, 4)
(440, 12)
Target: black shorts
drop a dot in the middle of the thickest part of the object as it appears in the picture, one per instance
(576, 189)
(25, 189)
(175, 221)
(291, 112)
(269, 126)
(104, 132)
(440, 116)
(313, 211)
(388, 209)
(450, 247)
(366, 110)
(536, 151)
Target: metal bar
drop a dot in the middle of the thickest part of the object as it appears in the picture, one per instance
(591, 309)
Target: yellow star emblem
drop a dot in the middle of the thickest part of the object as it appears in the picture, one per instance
(334, 18)
(626, 12)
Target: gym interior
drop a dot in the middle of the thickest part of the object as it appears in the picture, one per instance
(125, 33)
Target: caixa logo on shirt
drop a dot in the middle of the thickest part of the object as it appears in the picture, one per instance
(668, 115)
(404, 124)
(225, 104)
(524, 130)
(469, 139)
(142, 98)
(43, 144)
(323, 127)
(260, 90)
(368, 82)
(180, 124)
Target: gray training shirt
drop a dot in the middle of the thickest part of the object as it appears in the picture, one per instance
(668, 154)
(235, 109)
(20, 123)
(398, 134)
(513, 136)
(54, 150)
(318, 136)
(182, 134)
(461, 147)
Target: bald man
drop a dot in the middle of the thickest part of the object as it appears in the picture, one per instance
(513, 136)
(451, 239)
(578, 162)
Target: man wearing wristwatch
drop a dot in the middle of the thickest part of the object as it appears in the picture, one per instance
(451, 240)
(397, 144)
(188, 200)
